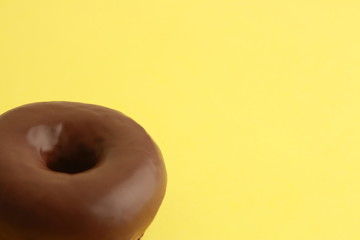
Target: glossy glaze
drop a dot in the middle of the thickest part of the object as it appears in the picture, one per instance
(76, 171)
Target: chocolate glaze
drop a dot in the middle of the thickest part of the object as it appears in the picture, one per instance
(76, 171)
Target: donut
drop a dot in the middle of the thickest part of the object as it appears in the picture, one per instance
(76, 171)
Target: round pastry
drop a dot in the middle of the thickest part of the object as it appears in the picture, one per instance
(75, 171)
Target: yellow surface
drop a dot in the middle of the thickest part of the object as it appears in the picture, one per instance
(255, 104)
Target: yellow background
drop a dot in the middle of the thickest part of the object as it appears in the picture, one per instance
(255, 104)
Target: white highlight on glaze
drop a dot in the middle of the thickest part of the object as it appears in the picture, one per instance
(130, 197)
(44, 137)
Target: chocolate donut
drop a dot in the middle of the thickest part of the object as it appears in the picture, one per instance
(76, 171)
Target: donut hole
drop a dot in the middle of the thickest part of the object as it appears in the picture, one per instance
(71, 147)
(74, 160)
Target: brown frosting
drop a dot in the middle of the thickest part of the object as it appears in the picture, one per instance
(76, 171)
